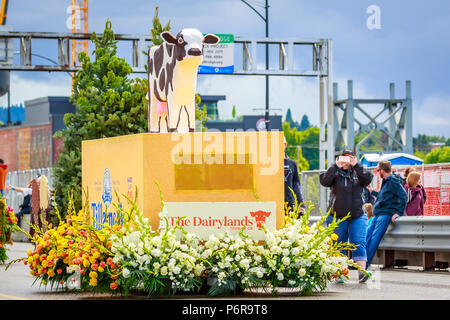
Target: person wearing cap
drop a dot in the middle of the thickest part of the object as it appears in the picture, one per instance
(347, 180)
(391, 203)
(292, 184)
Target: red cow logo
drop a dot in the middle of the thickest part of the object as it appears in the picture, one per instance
(260, 217)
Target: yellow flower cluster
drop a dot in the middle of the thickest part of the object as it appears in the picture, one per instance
(74, 244)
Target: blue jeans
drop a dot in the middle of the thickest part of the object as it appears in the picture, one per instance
(353, 231)
(375, 233)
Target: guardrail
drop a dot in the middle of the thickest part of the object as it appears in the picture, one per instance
(414, 241)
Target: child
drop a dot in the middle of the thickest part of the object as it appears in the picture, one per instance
(368, 208)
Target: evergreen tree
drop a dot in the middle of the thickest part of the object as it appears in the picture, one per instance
(304, 124)
(289, 117)
(109, 103)
(158, 29)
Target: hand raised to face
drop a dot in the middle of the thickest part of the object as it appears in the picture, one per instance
(353, 160)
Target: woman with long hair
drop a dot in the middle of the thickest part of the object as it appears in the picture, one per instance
(415, 194)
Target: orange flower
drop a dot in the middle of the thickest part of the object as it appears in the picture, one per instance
(113, 286)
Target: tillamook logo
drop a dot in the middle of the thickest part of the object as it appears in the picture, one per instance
(100, 212)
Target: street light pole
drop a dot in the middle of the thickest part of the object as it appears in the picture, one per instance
(267, 68)
(266, 20)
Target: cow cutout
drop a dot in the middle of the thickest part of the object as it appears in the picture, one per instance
(260, 217)
(172, 79)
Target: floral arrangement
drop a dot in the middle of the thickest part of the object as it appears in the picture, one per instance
(133, 257)
(8, 223)
(159, 262)
(296, 256)
(73, 247)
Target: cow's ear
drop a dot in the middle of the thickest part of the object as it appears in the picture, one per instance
(168, 37)
(211, 39)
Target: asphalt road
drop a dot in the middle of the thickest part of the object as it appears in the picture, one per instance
(17, 284)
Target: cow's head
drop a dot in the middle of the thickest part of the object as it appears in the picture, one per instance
(189, 42)
(260, 217)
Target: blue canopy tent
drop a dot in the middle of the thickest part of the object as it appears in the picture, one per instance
(399, 159)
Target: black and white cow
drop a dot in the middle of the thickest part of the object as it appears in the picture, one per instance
(172, 77)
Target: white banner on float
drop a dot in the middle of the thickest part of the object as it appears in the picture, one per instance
(206, 218)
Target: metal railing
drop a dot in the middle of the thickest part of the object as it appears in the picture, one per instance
(138, 43)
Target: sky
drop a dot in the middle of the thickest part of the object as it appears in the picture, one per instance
(411, 44)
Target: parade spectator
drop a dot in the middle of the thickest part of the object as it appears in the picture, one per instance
(368, 196)
(25, 207)
(368, 208)
(408, 170)
(3, 171)
(390, 203)
(415, 195)
(347, 179)
(292, 184)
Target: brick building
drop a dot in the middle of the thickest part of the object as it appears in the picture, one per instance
(31, 145)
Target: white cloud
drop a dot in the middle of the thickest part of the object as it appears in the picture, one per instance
(431, 116)
(23, 88)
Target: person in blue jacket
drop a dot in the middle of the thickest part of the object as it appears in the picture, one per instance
(390, 204)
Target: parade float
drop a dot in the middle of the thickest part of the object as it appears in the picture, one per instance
(175, 210)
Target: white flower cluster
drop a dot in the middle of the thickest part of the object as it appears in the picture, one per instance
(296, 253)
(234, 258)
(160, 254)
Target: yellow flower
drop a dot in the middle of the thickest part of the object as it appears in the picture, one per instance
(93, 282)
(92, 259)
(334, 237)
(321, 228)
(30, 260)
(100, 269)
(51, 273)
(86, 263)
(93, 274)
(29, 252)
(44, 263)
(96, 254)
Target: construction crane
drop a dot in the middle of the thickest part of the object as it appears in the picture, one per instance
(3, 11)
(80, 24)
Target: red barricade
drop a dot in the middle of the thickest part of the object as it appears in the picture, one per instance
(436, 181)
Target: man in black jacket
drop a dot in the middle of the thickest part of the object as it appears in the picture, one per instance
(347, 180)
(292, 185)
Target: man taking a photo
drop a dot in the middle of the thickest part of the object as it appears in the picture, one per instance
(391, 203)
